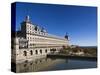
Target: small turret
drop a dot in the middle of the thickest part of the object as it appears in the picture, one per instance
(43, 30)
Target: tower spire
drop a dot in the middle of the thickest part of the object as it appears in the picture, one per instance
(66, 36)
(27, 18)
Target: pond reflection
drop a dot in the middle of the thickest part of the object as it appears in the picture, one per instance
(48, 64)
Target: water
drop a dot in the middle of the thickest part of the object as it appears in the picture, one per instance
(48, 64)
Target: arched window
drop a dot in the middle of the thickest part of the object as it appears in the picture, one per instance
(31, 52)
(46, 51)
(40, 51)
(36, 52)
(25, 53)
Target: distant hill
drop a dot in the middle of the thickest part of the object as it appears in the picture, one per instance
(88, 46)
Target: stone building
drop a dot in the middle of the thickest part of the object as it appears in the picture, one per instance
(33, 42)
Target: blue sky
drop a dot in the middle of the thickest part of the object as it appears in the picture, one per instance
(79, 22)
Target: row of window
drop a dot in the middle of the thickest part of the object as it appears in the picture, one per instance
(33, 38)
(31, 27)
(36, 32)
(44, 40)
(36, 52)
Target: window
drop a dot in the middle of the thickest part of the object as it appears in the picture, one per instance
(41, 51)
(31, 52)
(46, 51)
(36, 52)
(28, 38)
(36, 28)
(25, 53)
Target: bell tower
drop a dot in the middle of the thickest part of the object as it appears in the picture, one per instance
(25, 26)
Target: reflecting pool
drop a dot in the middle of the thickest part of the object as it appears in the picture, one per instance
(48, 64)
